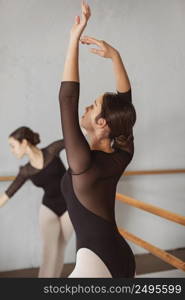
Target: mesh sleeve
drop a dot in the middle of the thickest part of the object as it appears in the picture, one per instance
(16, 184)
(77, 148)
(56, 147)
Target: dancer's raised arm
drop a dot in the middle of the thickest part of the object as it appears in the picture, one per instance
(77, 148)
(71, 68)
(107, 51)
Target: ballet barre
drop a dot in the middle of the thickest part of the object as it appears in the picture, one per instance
(126, 173)
(7, 178)
(165, 256)
(166, 214)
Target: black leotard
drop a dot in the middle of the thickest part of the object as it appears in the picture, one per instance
(89, 187)
(48, 178)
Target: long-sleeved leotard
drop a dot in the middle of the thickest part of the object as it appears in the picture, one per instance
(89, 187)
(48, 178)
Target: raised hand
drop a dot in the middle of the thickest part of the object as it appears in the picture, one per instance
(80, 23)
(105, 50)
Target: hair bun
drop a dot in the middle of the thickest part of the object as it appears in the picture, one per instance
(36, 138)
(26, 133)
(123, 142)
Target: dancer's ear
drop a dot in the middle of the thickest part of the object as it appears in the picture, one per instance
(101, 122)
(24, 143)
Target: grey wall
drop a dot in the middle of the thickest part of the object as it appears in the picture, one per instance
(149, 35)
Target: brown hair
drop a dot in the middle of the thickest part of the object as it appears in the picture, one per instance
(26, 133)
(120, 116)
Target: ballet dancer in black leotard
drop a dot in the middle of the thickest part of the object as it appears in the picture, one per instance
(89, 185)
(45, 169)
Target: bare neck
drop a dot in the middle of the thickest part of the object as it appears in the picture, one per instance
(103, 144)
(34, 154)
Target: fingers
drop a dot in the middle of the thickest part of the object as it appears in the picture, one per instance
(77, 19)
(85, 41)
(90, 40)
(86, 9)
(97, 51)
(85, 6)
